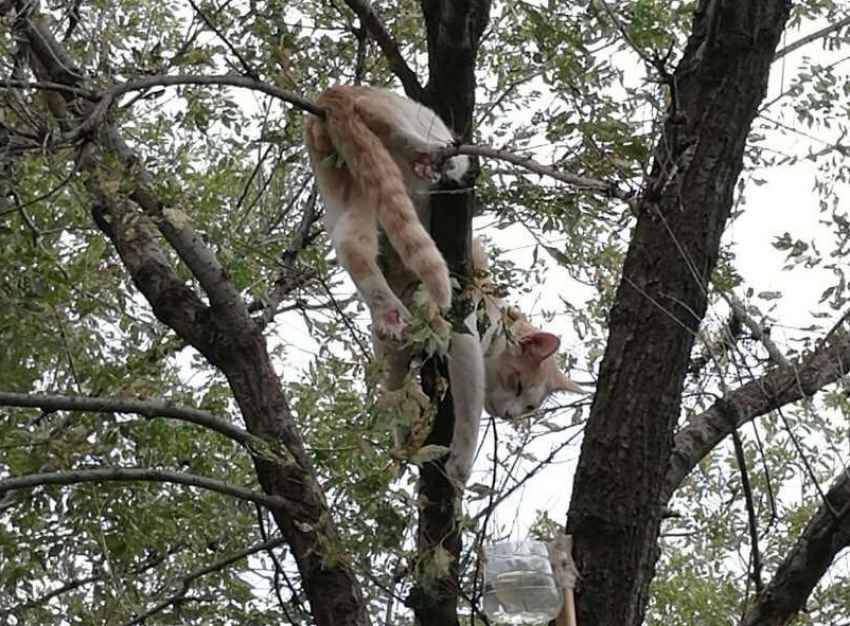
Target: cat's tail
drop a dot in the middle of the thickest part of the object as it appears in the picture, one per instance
(380, 181)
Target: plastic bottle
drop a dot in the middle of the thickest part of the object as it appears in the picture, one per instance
(519, 586)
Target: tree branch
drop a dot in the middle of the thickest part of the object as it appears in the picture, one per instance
(291, 276)
(191, 577)
(82, 582)
(111, 94)
(146, 408)
(389, 46)
(246, 67)
(803, 41)
(752, 520)
(135, 474)
(244, 82)
(173, 302)
(148, 82)
(778, 387)
(579, 182)
(46, 85)
(824, 537)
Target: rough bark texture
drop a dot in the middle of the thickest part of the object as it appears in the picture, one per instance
(223, 332)
(454, 28)
(777, 388)
(826, 534)
(614, 515)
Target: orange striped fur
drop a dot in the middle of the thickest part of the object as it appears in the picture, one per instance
(371, 156)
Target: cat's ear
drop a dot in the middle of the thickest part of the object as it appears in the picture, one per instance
(539, 344)
(561, 382)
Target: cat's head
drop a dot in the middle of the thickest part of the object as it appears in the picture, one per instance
(523, 372)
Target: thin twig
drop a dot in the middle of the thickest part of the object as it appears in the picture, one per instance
(82, 582)
(479, 539)
(246, 67)
(148, 82)
(580, 182)
(823, 32)
(751, 511)
(805, 461)
(290, 278)
(191, 577)
(278, 573)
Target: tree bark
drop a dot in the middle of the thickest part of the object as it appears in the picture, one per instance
(454, 29)
(826, 534)
(614, 514)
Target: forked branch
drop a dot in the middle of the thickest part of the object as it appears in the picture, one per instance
(778, 387)
(389, 46)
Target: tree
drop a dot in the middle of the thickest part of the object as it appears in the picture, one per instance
(169, 454)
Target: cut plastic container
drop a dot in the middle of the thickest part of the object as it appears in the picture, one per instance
(519, 584)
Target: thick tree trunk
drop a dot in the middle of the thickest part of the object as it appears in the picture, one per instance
(454, 29)
(614, 515)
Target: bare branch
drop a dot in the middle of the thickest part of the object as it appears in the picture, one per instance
(579, 182)
(135, 474)
(824, 537)
(149, 82)
(225, 80)
(389, 46)
(780, 386)
(803, 41)
(146, 408)
(46, 85)
(191, 577)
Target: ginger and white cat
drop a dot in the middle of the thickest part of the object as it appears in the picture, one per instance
(372, 155)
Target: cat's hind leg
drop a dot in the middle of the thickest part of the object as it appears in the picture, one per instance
(355, 240)
(384, 117)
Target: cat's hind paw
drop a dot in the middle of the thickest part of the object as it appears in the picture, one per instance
(390, 324)
(423, 167)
